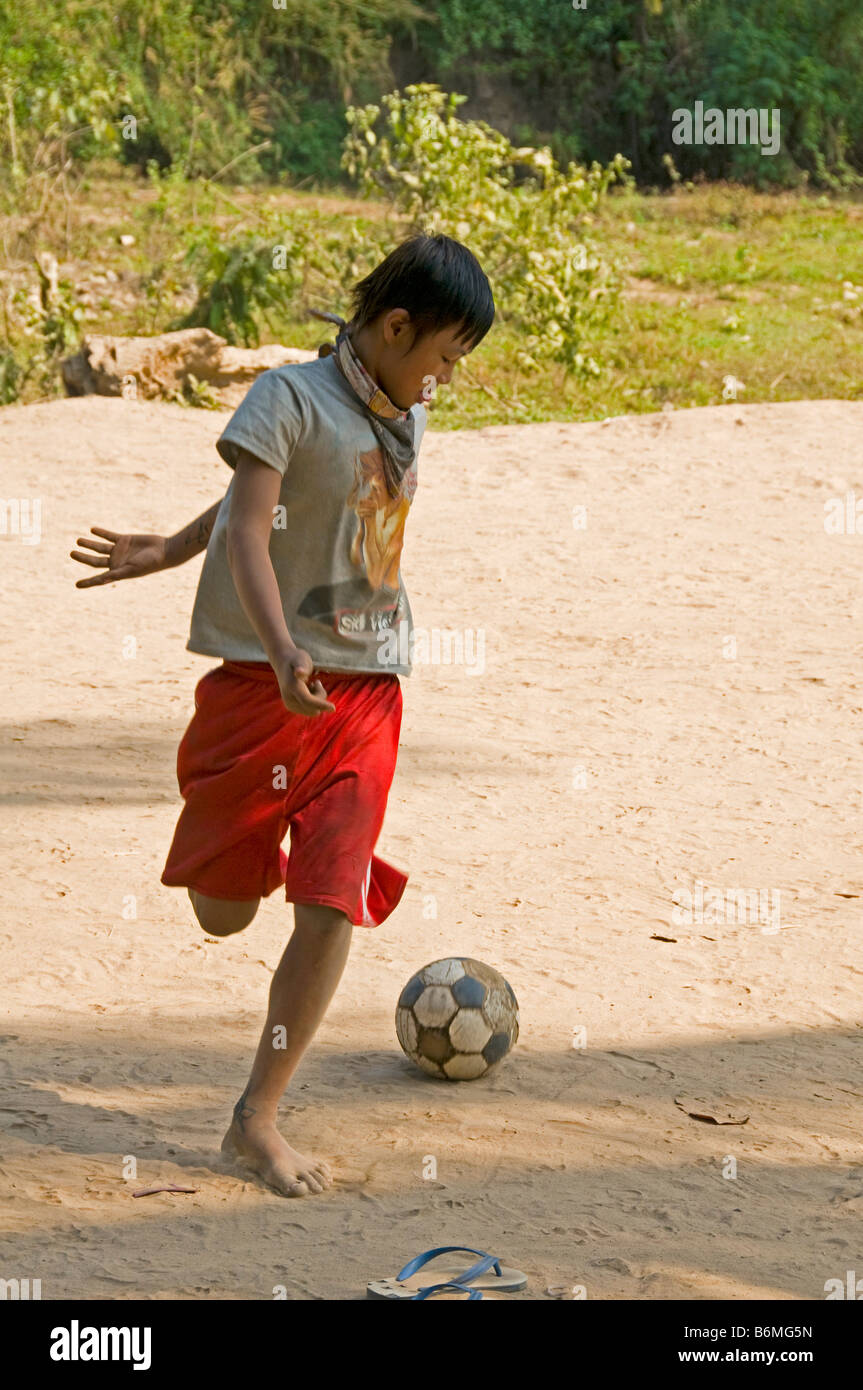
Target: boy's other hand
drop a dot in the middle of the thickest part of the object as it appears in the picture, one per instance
(120, 557)
(301, 694)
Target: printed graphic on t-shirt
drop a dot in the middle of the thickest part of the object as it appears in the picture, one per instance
(373, 601)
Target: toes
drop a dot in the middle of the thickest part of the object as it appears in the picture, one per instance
(295, 1189)
(313, 1182)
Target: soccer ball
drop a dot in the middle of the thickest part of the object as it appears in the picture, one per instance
(456, 1018)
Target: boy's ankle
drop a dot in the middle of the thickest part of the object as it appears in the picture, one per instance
(253, 1112)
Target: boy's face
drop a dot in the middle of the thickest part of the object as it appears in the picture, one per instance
(412, 366)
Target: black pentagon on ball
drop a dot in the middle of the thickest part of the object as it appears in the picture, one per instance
(496, 1047)
(480, 971)
(434, 1044)
(468, 992)
(411, 992)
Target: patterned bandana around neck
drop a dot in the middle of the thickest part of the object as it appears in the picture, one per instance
(394, 428)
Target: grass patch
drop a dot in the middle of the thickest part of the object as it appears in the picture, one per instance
(719, 281)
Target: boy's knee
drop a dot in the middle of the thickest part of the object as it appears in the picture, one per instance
(221, 916)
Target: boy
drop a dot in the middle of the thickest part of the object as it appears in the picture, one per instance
(301, 596)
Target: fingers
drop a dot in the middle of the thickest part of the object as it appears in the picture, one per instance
(302, 694)
(101, 547)
(316, 690)
(310, 701)
(316, 698)
(108, 577)
(306, 703)
(109, 535)
(98, 561)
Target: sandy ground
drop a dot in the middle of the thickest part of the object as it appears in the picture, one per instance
(617, 748)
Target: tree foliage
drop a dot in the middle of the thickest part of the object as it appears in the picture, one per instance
(258, 89)
(607, 77)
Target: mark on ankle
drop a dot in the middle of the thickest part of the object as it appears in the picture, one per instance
(242, 1111)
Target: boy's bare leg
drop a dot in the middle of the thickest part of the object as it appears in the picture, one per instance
(302, 986)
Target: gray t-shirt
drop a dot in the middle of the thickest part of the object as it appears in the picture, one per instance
(337, 534)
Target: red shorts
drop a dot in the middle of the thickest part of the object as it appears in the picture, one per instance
(249, 771)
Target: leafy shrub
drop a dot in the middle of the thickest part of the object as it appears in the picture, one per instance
(528, 221)
(244, 280)
(46, 320)
(11, 374)
(307, 140)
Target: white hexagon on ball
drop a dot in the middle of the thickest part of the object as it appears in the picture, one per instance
(465, 1066)
(443, 972)
(435, 1007)
(498, 1009)
(406, 1029)
(469, 1031)
(427, 1065)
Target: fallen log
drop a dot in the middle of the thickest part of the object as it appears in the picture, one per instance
(169, 366)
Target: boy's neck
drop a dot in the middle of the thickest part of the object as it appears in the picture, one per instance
(367, 348)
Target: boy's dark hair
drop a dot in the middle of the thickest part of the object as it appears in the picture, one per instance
(437, 280)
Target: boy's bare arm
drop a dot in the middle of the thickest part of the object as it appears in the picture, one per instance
(122, 556)
(193, 538)
(253, 501)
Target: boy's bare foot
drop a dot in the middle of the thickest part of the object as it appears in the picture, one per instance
(261, 1147)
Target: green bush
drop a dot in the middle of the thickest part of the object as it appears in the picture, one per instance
(528, 221)
(45, 321)
(289, 263)
(307, 140)
(243, 280)
(11, 376)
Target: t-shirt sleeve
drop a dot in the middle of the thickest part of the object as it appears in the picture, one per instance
(268, 422)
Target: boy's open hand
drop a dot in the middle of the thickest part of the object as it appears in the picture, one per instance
(300, 693)
(119, 557)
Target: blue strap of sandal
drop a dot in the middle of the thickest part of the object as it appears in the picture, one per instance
(431, 1289)
(483, 1265)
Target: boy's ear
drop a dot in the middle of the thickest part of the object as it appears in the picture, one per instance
(397, 326)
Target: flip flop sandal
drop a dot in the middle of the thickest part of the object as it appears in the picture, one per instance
(431, 1290)
(487, 1274)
